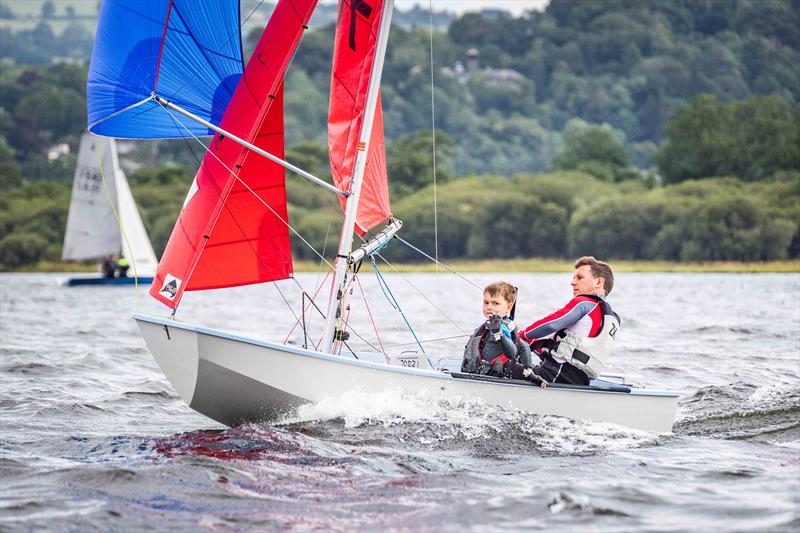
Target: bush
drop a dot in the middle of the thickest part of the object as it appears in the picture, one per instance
(20, 249)
(454, 224)
(509, 225)
(319, 227)
(734, 229)
(619, 228)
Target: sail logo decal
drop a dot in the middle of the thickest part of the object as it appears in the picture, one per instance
(366, 10)
(170, 287)
(613, 332)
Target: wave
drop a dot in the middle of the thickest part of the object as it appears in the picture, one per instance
(728, 329)
(392, 417)
(741, 410)
(566, 501)
(28, 368)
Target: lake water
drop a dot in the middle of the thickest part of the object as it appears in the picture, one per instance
(94, 438)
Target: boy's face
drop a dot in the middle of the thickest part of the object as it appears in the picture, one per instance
(495, 305)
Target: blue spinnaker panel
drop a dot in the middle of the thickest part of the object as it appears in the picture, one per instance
(186, 51)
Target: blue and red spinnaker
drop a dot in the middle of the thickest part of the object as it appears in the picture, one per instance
(185, 51)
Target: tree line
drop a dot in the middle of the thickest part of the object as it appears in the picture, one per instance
(673, 160)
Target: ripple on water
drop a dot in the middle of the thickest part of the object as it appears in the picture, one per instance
(742, 411)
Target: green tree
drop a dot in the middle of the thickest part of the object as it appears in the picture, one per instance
(410, 161)
(21, 249)
(616, 227)
(592, 149)
(750, 139)
(500, 228)
(9, 170)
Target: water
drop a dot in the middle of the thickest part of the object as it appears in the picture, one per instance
(94, 438)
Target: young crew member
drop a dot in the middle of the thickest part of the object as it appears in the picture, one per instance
(575, 342)
(495, 348)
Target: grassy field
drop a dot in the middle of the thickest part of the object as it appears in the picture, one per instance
(554, 265)
(513, 265)
(28, 13)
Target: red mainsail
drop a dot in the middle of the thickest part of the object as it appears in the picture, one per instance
(353, 54)
(233, 232)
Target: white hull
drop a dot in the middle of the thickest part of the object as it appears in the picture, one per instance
(234, 380)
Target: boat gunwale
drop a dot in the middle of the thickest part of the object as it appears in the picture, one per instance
(139, 317)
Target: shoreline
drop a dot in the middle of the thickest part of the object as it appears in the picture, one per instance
(506, 266)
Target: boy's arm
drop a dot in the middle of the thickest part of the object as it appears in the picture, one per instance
(502, 335)
(509, 347)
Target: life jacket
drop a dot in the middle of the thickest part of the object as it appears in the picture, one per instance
(473, 362)
(589, 354)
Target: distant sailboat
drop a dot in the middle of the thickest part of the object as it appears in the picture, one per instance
(99, 196)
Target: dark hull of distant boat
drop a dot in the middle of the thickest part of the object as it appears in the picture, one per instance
(114, 282)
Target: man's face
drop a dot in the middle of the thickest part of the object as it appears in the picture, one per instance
(583, 282)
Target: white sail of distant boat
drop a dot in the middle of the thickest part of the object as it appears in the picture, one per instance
(103, 218)
(151, 67)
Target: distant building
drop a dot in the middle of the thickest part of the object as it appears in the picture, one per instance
(57, 151)
(471, 66)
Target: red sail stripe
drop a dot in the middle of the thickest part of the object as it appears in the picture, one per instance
(161, 48)
(225, 235)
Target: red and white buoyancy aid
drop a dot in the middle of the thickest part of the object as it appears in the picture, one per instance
(589, 354)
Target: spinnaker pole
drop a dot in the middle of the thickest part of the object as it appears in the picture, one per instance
(337, 304)
(275, 159)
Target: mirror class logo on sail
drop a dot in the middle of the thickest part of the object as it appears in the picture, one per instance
(170, 288)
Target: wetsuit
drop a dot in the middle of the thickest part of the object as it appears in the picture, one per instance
(484, 354)
(583, 316)
(108, 268)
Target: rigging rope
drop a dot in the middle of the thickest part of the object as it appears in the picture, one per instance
(433, 142)
(374, 326)
(422, 294)
(311, 302)
(436, 261)
(250, 190)
(392, 300)
(428, 341)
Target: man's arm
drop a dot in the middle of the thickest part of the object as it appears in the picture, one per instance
(576, 309)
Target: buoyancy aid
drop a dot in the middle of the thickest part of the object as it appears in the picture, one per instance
(589, 354)
(474, 362)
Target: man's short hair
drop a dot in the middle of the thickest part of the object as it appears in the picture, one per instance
(600, 269)
(504, 289)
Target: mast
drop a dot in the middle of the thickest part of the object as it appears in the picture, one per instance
(337, 303)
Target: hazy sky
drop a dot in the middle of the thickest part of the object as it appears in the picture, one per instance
(461, 6)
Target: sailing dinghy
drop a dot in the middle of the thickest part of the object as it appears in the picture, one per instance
(234, 230)
(103, 218)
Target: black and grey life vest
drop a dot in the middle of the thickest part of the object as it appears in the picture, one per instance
(473, 358)
(589, 354)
